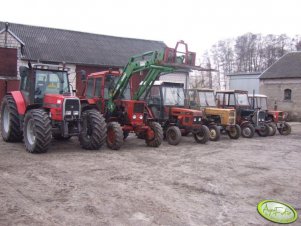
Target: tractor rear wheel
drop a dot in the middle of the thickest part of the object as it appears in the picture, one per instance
(156, 139)
(214, 133)
(286, 129)
(247, 131)
(201, 136)
(93, 130)
(234, 132)
(264, 131)
(37, 131)
(114, 135)
(173, 135)
(10, 122)
(272, 129)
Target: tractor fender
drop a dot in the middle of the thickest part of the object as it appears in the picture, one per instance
(244, 123)
(20, 102)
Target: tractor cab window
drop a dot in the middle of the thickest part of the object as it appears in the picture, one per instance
(54, 82)
(110, 84)
(98, 87)
(90, 88)
(262, 103)
(154, 97)
(207, 99)
(192, 98)
(242, 99)
(220, 98)
(173, 95)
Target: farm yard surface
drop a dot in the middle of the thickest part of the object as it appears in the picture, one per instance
(219, 183)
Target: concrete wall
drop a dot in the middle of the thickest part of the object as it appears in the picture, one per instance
(274, 89)
(244, 82)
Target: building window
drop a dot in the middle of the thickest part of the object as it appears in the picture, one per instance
(287, 94)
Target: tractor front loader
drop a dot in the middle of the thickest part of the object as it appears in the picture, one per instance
(44, 107)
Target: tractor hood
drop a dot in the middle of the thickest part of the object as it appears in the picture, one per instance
(56, 100)
(185, 111)
(217, 111)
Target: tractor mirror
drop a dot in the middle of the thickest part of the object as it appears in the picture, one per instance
(24, 71)
(83, 75)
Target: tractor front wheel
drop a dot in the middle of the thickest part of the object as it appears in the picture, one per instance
(264, 131)
(37, 131)
(286, 129)
(214, 133)
(234, 132)
(247, 131)
(114, 135)
(173, 135)
(272, 129)
(201, 136)
(93, 130)
(10, 122)
(154, 137)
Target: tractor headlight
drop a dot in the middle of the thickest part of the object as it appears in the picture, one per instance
(200, 119)
(75, 113)
(141, 117)
(67, 112)
(194, 119)
(134, 116)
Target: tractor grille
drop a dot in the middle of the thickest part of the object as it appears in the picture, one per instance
(261, 116)
(71, 108)
(138, 107)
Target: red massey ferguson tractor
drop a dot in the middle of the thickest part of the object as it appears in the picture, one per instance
(43, 108)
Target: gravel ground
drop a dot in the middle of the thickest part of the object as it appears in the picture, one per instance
(219, 183)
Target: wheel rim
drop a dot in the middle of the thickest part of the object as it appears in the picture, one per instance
(200, 135)
(247, 131)
(212, 133)
(30, 132)
(233, 132)
(172, 135)
(6, 119)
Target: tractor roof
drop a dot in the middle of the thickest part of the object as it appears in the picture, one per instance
(257, 95)
(202, 89)
(232, 91)
(159, 83)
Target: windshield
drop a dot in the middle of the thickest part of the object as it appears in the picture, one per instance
(241, 99)
(55, 82)
(110, 84)
(262, 103)
(207, 99)
(173, 95)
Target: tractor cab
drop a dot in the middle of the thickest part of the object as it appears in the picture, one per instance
(40, 80)
(201, 98)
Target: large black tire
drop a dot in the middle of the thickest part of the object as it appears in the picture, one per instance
(214, 133)
(234, 132)
(158, 135)
(58, 136)
(10, 122)
(272, 129)
(173, 135)
(247, 131)
(264, 131)
(202, 136)
(93, 130)
(114, 135)
(286, 129)
(37, 131)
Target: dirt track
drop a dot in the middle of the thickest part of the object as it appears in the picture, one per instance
(219, 183)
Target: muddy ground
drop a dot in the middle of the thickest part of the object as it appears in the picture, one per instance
(219, 183)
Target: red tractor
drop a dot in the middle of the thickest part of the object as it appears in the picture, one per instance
(44, 108)
(127, 114)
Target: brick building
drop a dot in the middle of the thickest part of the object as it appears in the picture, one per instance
(282, 84)
(78, 50)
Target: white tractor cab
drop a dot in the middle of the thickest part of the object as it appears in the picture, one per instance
(276, 118)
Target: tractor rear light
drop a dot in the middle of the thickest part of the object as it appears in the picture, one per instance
(68, 113)
(134, 116)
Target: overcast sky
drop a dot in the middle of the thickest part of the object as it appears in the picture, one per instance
(200, 23)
